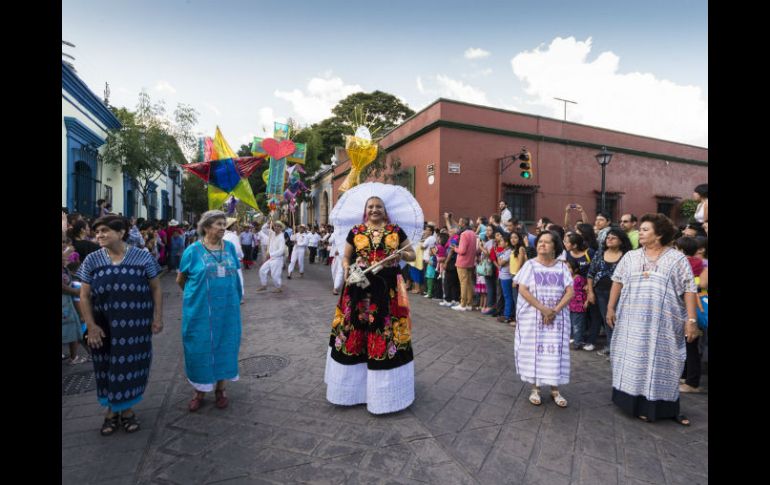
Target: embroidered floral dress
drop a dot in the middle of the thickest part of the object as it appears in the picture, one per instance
(370, 347)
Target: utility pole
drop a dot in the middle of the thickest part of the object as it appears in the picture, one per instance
(565, 106)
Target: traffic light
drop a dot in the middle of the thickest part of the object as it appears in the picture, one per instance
(526, 164)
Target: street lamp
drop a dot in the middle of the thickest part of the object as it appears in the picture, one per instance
(604, 159)
(173, 172)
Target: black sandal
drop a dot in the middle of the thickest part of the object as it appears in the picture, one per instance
(682, 419)
(110, 425)
(130, 423)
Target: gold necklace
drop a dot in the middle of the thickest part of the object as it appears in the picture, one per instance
(376, 232)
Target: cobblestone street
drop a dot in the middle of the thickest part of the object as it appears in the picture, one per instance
(471, 421)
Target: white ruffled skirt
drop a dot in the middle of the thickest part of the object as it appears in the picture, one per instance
(383, 391)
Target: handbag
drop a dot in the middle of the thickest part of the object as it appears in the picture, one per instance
(403, 298)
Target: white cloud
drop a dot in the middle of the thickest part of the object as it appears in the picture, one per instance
(165, 87)
(318, 99)
(246, 139)
(446, 87)
(454, 89)
(476, 53)
(635, 102)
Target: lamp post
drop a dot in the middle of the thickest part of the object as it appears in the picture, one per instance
(173, 172)
(604, 159)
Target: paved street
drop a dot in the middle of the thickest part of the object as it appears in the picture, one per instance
(470, 423)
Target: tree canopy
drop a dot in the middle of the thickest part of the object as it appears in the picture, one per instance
(149, 141)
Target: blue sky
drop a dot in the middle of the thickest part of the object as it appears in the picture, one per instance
(639, 67)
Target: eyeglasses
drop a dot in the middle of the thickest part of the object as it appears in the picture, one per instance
(622, 221)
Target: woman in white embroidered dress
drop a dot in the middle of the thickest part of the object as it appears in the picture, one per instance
(655, 294)
(541, 344)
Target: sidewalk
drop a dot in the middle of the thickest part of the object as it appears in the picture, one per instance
(470, 423)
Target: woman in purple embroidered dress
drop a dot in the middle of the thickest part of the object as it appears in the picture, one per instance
(541, 344)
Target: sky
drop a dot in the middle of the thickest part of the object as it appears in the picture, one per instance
(635, 67)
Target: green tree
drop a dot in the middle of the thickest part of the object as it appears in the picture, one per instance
(195, 194)
(381, 111)
(150, 141)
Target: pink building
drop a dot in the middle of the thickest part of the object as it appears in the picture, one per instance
(457, 157)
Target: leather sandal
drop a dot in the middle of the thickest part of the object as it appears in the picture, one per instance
(682, 419)
(534, 397)
(110, 425)
(130, 423)
(222, 400)
(196, 402)
(558, 399)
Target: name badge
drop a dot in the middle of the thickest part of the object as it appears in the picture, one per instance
(220, 271)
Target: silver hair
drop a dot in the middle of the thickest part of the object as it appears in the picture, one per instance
(207, 219)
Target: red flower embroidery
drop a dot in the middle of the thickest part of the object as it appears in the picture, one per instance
(390, 227)
(355, 341)
(376, 345)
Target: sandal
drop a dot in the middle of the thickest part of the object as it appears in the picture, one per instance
(196, 402)
(222, 400)
(558, 399)
(130, 423)
(110, 425)
(534, 397)
(682, 419)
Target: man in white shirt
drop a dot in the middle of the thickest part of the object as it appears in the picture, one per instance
(276, 248)
(323, 249)
(301, 240)
(313, 239)
(428, 244)
(505, 213)
(264, 240)
(232, 236)
(247, 244)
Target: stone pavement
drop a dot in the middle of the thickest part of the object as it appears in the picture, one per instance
(471, 421)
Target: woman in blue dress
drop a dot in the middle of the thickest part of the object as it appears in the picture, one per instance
(211, 310)
(121, 301)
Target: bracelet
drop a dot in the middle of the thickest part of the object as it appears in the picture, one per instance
(692, 320)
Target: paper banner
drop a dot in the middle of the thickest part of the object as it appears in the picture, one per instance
(299, 154)
(280, 131)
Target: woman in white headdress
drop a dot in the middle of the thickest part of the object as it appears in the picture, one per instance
(370, 357)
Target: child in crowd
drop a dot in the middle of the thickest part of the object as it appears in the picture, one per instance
(70, 318)
(484, 268)
(430, 274)
(578, 305)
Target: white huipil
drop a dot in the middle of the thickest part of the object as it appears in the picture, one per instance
(298, 253)
(275, 249)
(337, 270)
(233, 238)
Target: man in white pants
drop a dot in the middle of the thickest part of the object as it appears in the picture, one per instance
(232, 236)
(337, 271)
(275, 254)
(301, 241)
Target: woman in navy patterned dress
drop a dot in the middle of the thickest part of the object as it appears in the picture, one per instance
(122, 306)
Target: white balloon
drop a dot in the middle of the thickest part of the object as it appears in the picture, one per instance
(363, 132)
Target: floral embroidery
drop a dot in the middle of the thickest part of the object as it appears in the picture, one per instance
(391, 240)
(360, 241)
(368, 328)
(401, 332)
(338, 318)
(376, 346)
(355, 342)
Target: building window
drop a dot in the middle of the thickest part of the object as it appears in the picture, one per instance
(666, 205)
(108, 193)
(611, 205)
(521, 202)
(152, 200)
